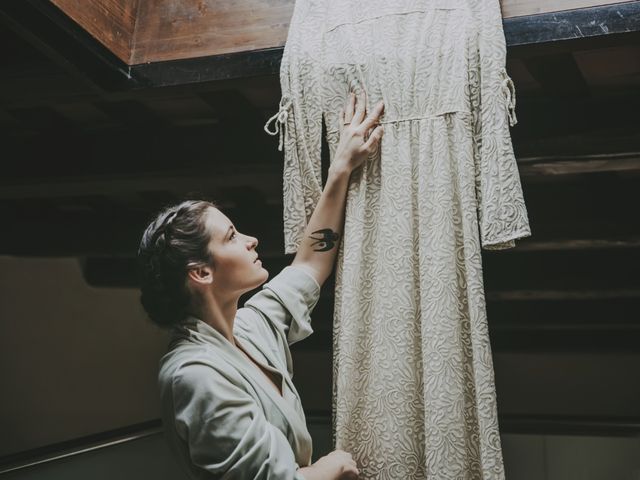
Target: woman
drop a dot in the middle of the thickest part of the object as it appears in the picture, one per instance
(229, 407)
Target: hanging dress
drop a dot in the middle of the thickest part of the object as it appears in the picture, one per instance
(414, 392)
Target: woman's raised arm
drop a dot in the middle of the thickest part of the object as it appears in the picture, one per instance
(359, 138)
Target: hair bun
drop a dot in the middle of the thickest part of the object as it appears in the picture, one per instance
(174, 241)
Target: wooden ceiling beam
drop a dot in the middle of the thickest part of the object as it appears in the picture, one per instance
(203, 59)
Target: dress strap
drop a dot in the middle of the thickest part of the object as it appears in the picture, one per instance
(509, 92)
(279, 121)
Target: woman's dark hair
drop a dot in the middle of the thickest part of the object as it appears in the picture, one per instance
(174, 242)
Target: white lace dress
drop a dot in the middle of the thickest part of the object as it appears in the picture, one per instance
(414, 392)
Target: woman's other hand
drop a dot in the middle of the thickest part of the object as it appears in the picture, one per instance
(360, 134)
(337, 465)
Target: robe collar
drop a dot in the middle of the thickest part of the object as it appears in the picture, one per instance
(195, 330)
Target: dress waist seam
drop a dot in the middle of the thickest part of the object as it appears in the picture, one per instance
(424, 117)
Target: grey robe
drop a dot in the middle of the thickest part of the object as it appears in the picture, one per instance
(222, 417)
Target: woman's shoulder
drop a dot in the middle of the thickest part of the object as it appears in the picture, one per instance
(188, 362)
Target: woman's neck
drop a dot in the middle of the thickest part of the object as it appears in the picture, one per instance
(220, 314)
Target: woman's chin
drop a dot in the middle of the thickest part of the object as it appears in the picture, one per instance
(265, 274)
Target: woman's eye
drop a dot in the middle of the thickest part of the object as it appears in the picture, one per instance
(233, 235)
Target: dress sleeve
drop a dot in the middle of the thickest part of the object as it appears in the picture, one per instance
(227, 434)
(299, 121)
(501, 208)
(286, 303)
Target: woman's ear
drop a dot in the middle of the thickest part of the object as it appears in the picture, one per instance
(202, 275)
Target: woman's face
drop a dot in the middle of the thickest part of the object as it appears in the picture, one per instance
(236, 268)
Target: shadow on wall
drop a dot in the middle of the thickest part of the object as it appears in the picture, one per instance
(74, 360)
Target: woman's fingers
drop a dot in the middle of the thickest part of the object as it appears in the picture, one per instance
(373, 139)
(349, 109)
(361, 109)
(373, 118)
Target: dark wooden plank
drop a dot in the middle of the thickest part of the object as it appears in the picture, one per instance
(577, 339)
(572, 165)
(215, 68)
(569, 425)
(594, 141)
(545, 424)
(234, 110)
(579, 244)
(567, 294)
(520, 8)
(132, 114)
(44, 119)
(533, 341)
(192, 151)
(521, 275)
(178, 183)
(580, 23)
(593, 315)
(558, 74)
(543, 117)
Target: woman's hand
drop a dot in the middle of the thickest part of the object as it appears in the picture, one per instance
(337, 465)
(359, 136)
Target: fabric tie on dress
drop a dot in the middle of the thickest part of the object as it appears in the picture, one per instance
(279, 118)
(509, 92)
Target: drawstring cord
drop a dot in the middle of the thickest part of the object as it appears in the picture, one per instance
(509, 92)
(279, 121)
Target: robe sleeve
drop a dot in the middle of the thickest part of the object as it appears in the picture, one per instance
(286, 302)
(502, 212)
(227, 434)
(299, 122)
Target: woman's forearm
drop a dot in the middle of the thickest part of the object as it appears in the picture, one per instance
(359, 139)
(321, 239)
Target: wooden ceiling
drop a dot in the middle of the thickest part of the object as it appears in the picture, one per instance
(140, 32)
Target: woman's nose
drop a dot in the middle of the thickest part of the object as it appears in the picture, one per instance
(252, 242)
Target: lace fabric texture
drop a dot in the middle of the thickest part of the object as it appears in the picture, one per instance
(414, 392)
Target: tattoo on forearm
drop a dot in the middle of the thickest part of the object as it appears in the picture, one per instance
(325, 239)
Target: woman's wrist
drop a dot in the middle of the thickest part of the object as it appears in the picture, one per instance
(339, 170)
